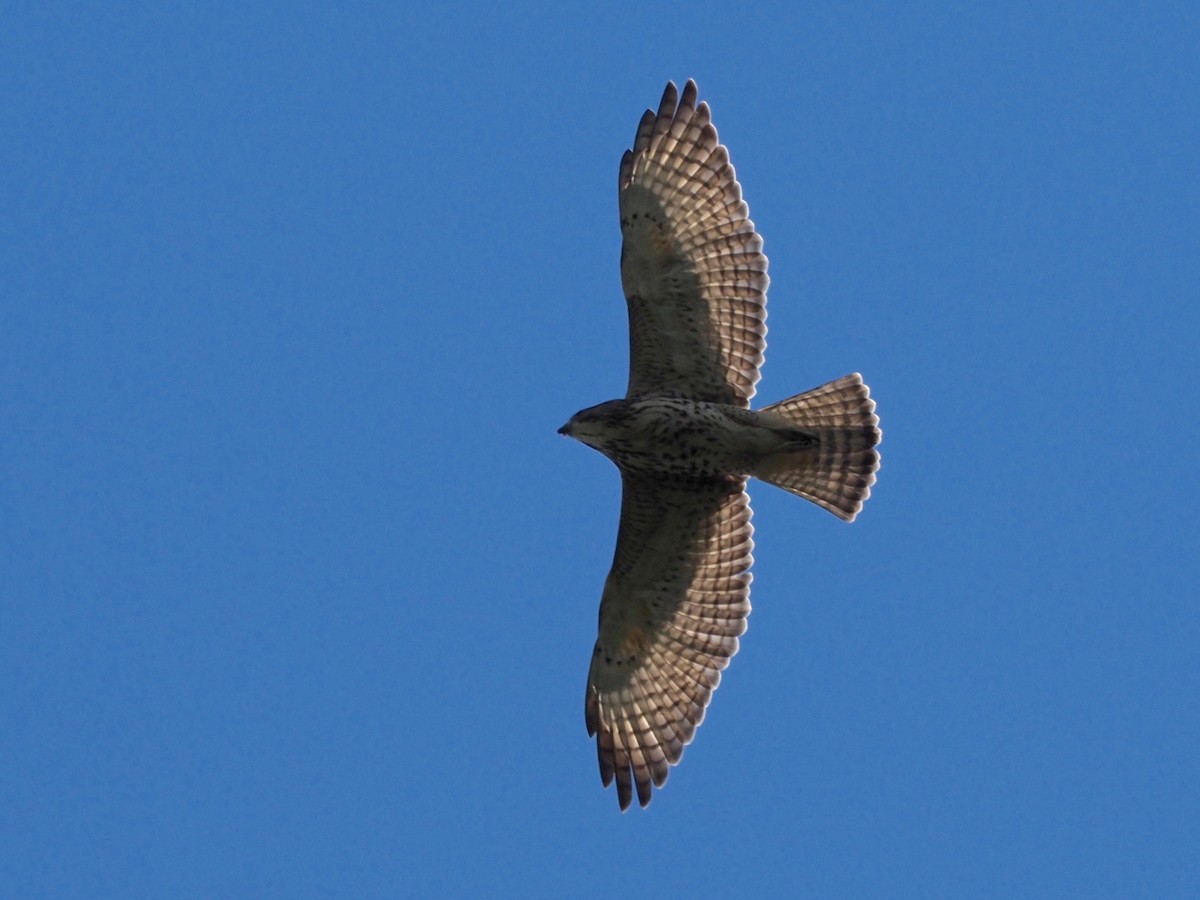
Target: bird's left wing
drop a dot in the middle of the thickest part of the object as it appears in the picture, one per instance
(692, 265)
(674, 604)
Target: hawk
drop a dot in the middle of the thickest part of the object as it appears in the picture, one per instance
(685, 441)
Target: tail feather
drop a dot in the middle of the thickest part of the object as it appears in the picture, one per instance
(833, 463)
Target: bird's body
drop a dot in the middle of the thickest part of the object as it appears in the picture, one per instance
(672, 437)
(685, 441)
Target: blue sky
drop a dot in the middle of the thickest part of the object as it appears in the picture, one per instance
(299, 584)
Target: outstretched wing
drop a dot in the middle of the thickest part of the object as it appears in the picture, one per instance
(674, 604)
(692, 266)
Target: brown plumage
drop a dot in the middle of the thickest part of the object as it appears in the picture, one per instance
(685, 441)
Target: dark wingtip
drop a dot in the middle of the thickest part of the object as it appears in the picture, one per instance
(690, 92)
(670, 97)
(624, 794)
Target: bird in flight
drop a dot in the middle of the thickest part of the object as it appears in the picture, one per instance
(685, 441)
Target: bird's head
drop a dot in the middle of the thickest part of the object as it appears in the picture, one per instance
(595, 425)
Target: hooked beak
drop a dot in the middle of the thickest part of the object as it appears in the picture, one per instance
(565, 430)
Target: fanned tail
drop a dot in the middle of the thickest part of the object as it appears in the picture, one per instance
(833, 463)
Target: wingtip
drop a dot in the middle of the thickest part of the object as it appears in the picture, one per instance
(690, 91)
(670, 97)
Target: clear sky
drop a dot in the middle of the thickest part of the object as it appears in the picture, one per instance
(298, 584)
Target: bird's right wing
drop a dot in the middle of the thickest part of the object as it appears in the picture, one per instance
(674, 604)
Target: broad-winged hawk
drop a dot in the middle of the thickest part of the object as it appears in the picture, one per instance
(685, 440)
